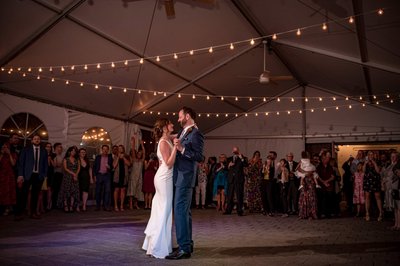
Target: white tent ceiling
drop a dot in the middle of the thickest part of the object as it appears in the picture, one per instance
(362, 58)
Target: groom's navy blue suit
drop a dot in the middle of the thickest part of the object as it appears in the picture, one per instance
(184, 181)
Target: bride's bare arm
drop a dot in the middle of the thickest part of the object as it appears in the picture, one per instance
(167, 154)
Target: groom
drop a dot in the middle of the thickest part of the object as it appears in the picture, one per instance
(189, 143)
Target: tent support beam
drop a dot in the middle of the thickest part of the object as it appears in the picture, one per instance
(40, 32)
(339, 56)
(361, 36)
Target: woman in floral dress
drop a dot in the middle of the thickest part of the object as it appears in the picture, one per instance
(69, 193)
(254, 182)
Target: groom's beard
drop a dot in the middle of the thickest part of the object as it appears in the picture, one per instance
(183, 122)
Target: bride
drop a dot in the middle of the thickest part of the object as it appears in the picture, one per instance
(158, 240)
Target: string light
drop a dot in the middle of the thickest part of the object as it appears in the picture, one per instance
(67, 82)
(96, 87)
(334, 98)
(279, 99)
(194, 96)
(324, 26)
(306, 99)
(231, 46)
(85, 67)
(250, 99)
(165, 94)
(175, 56)
(155, 93)
(40, 69)
(110, 88)
(210, 50)
(62, 69)
(222, 98)
(292, 99)
(300, 111)
(81, 84)
(139, 92)
(52, 79)
(50, 69)
(179, 95)
(141, 61)
(208, 97)
(125, 90)
(38, 77)
(236, 99)
(158, 59)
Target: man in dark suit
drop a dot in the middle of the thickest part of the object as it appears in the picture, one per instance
(236, 164)
(102, 176)
(32, 169)
(190, 143)
(294, 183)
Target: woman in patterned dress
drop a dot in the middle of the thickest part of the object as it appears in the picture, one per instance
(308, 195)
(358, 194)
(254, 183)
(69, 193)
(372, 184)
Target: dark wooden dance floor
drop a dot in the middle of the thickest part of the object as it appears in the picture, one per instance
(109, 238)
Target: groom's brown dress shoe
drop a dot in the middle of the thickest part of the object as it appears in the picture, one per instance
(178, 255)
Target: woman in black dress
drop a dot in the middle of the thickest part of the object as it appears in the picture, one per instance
(84, 177)
(121, 164)
(372, 185)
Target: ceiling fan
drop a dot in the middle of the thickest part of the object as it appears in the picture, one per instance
(170, 6)
(265, 77)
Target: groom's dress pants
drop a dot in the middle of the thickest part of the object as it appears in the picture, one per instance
(183, 217)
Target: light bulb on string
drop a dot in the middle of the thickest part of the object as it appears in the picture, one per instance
(62, 69)
(334, 98)
(208, 97)
(266, 113)
(126, 62)
(179, 95)
(298, 32)
(141, 60)
(274, 37)
(236, 115)
(24, 75)
(194, 96)
(191, 52)
(250, 99)
(158, 59)
(312, 110)
(98, 66)
(40, 69)
(139, 92)
(324, 109)
(387, 96)
(51, 69)
(306, 99)
(199, 115)
(29, 69)
(67, 82)
(155, 93)
(288, 112)
(231, 46)
(222, 98)
(236, 99)
(277, 113)
(175, 56)
(38, 77)
(324, 27)
(125, 90)
(337, 107)
(72, 67)
(374, 96)
(52, 79)
(320, 99)
(81, 84)
(363, 104)
(278, 100)
(292, 99)
(245, 114)
(347, 98)
(377, 102)
(165, 94)
(226, 115)
(264, 99)
(110, 88)
(208, 115)
(350, 106)
(391, 100)
(210, 50)
(85, 67)
(96, 87)
(380, 11)
(217, 115)
(112, 65)
(256, 114)
(361, 98)
(300, 111)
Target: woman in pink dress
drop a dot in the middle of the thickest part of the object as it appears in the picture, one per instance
(8, 160)
(358, 194)
(150, 167)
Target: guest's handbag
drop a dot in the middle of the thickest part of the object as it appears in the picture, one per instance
(395, 194)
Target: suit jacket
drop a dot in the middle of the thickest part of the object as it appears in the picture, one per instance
(186, 163)
(26, 163)
(236, 171)
(97, 162)
(293, 169)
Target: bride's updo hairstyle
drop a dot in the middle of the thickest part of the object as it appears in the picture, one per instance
(158, 127)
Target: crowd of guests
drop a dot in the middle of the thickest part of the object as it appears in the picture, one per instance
(311, 188)
(41, 177)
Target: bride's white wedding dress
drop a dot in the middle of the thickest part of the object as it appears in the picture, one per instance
(158, 240)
